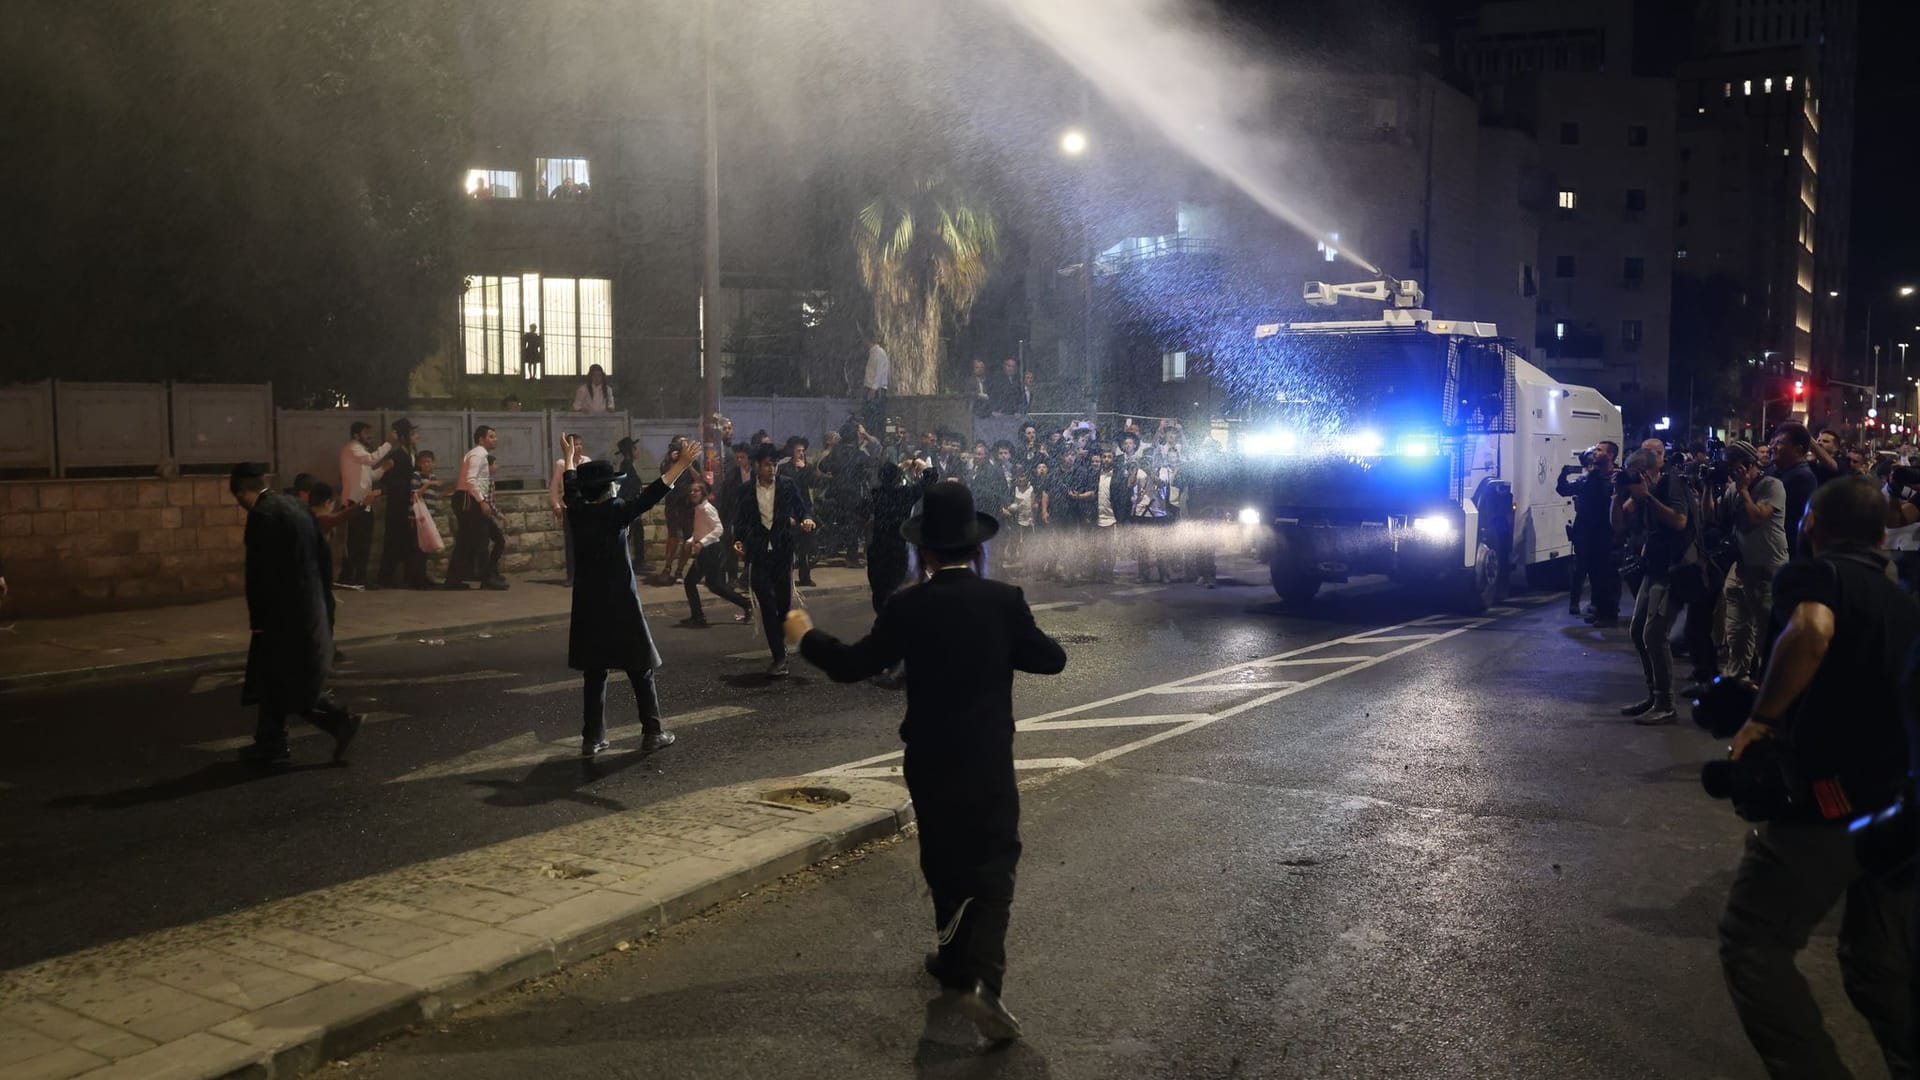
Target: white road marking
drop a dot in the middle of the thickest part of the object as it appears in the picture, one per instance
(757, 654)
(1035, 764)
(1055, 605)
(565, 684)
(1106, 721)
(1138, 590)
(886, 772)
(530, 749)
(296, 729)
(1206, 682)
(1315, 660)
(423, 680)
(219, 680)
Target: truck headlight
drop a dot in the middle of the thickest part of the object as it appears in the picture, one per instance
(1417, 446)
(1434, 528)
(1362, 444)
(1250, 516)
(1267, 443)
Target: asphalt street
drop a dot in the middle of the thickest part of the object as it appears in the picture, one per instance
(1442, 854)
(123, 808)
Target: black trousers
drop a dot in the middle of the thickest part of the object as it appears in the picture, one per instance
(886, 571)
(1593, 564)
(469, 536)
(353, 570)
(400, 555)
(1789, 878)
(593, 720)
(969, 820)
(706, 569)
(270, 724)
(496, 548)
(770, 575)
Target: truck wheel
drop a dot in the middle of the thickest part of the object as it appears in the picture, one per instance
(1485, 585)
(1292, 582)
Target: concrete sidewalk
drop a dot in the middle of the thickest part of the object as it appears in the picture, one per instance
(280, 989)
(48, 652)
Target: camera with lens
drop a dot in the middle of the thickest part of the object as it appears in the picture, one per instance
(1765, 783)
(1716, 474)
(1588, 457)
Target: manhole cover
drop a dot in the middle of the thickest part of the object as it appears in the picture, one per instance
(1076, 639)
(806, 798)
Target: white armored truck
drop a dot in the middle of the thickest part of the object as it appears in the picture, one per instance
(1420, 448)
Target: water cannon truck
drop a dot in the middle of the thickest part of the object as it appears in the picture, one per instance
(1420, 448)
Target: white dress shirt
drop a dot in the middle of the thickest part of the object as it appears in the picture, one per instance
(878, 363)
(587, 401)
(356, 469)
(706, 525)
(1103, 498)
(474, 478)
(763, 494)
(556, 487)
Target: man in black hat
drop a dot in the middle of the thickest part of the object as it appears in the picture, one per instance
(401, 557)
(607, 630)
(290, 650)
(962, 638)
(768, 514)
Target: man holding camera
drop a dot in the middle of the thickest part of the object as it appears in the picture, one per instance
(1661, 507)
(1831, 698)
(1592, 532)
(1759, 513)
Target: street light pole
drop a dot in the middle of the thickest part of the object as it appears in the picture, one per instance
(710, 277)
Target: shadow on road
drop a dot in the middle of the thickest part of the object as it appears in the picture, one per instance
(208, 778)
(950, 1048)
(561, 780)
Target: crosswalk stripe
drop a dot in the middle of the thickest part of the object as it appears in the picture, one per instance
(1214, 688)
(528, 748)
(302, 731)
(1107, 721)
(422, 680)
(565, 684)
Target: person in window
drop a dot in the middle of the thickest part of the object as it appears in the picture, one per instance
(481, 190)
(1008, 395)
(981, 389)
(533, 352)
(594, 395)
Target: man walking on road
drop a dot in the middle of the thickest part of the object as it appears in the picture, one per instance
(766, 514)
(290, 650)
(962, 638)
(357, 460)
(607, 630)
(472, 509)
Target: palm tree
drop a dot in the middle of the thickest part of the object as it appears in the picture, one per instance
(924, 258)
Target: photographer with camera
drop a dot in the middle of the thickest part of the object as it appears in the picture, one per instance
(1760, 543)
(1661, 509)
(1826, 731)
(1592, 532)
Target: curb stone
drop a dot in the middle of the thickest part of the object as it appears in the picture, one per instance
(593, 910)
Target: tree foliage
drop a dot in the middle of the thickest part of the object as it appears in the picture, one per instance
(235, 190)
(925, 253)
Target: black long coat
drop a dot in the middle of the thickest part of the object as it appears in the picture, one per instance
(608, 631)
(962, 637)
(290, 653)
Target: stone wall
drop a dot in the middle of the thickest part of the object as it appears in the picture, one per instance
(72, 546)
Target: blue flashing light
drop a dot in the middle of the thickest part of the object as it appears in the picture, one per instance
(1418, 446)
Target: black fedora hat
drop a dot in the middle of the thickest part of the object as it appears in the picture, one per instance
(947, 519)
(594, 477)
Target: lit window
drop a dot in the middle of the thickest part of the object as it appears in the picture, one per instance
(1789, 83)
(1569, 200)
(1559, 331)
(1746, 87)
(561, 178)
(1173, 367)
(1766, 84)
(493, 184)
(1681, 254)
(1727, 90)
(575, 316)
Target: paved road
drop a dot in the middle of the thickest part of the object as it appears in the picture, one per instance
(1455, 861)
(123, 810)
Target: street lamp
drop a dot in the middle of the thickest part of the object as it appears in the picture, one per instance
(1073, 143)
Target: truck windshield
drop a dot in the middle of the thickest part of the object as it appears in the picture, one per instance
(1327, 382)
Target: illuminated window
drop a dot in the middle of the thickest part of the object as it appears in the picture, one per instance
(493, 184)
(1746, 87)
(1767, 84)
(561, 178)
(1569, 200)
(575, 316)
(1173, 367)
(1728, 90)
(1789, 83)
(1559, 331)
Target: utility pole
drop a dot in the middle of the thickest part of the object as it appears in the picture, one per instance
(710, 278)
